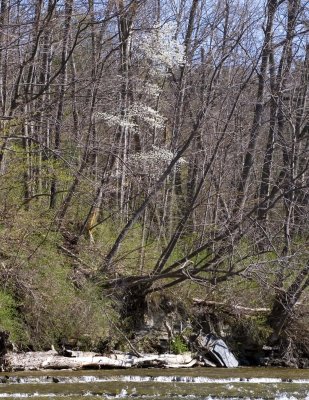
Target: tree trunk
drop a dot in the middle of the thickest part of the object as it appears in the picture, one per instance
(80, 360)
(60, 107)
(282, 313)
(258, 111)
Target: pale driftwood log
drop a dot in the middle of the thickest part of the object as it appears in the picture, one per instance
(232, 306)
(52, 360)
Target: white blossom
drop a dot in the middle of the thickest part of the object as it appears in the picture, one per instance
(116, 120)
(147, 114)
(149, 89)
(162, 48)
(153, 162)
(152, 89)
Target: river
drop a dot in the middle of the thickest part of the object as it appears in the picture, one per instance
(158, 384)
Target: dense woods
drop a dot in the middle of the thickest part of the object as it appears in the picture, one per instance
(151, 150)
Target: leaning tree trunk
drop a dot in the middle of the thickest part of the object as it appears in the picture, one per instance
(134, 305)
(282, 313)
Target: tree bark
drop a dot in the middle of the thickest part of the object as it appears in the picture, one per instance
(51, 360)
(62, 89)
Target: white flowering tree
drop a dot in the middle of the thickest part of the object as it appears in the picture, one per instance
(162, 49)
(163, 54)
(152, 163)
(156, 52)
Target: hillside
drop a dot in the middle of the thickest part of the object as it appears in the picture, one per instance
(154, 159)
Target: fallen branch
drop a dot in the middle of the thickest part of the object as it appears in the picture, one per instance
(232, 306)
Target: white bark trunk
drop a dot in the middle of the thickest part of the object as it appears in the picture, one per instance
(80, 360)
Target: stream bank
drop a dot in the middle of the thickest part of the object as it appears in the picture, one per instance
(169, 335)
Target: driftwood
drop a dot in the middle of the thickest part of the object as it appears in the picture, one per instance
(234, 307)
(52, 360)
(237, 308)
(205, 346)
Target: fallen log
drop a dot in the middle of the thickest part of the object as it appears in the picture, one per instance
(206, 345)
(52, 360)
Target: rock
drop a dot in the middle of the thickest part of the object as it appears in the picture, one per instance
(286, 380)
(304, 363)
(218, 349)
